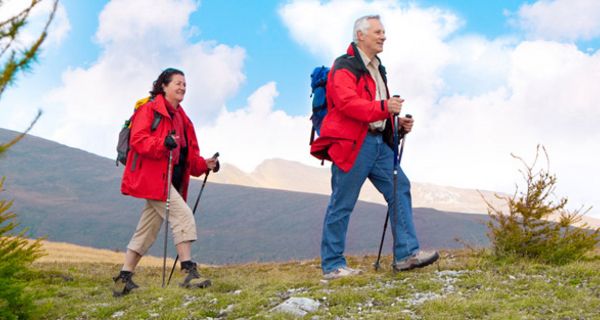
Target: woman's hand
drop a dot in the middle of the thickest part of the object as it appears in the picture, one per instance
(211, 163)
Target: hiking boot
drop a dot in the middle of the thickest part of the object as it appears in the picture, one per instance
(192, 279)
(341, 273)
(123, 284)
(418, 260)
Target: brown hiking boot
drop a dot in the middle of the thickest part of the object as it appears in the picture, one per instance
(418, 260)
(192, 279)
(123, 284)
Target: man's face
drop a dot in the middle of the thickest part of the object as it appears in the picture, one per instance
(372, 41)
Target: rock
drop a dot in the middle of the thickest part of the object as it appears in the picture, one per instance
(118, 314)
(297, 306)
(224, 312)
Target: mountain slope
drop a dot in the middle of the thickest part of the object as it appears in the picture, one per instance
(73, 196)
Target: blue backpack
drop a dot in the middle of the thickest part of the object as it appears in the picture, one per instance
(318, 81)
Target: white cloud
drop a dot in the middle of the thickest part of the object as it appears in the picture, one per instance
(561, 19)
(92, 102)
(248, 136)
(415, 45)
(476, 100)
(142, 22)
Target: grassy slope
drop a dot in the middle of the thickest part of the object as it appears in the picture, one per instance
(463, 285)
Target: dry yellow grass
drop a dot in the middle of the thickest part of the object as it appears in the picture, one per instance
(66, 252)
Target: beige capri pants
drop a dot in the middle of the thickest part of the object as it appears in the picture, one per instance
(181, 220)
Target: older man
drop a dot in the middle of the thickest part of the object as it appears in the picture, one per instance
(357, 136)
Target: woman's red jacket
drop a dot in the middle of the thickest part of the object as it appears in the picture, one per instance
(145, 173)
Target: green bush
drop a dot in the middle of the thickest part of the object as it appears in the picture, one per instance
(16, 254)
(537, 227)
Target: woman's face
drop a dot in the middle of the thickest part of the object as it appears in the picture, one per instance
(175, 90)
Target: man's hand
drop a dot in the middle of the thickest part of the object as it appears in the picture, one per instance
(406, 124)
(395, 105)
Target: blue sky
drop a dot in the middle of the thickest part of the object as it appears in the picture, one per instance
(483, 79)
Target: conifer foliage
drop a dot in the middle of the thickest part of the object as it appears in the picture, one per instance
(14, 58)
(16, 252)
(537, 226)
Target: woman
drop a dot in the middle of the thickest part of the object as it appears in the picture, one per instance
(145, 176)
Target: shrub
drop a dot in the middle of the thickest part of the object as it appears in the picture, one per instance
(16, 253)
(528, 230)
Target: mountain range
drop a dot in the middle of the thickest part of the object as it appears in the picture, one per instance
(70, 195)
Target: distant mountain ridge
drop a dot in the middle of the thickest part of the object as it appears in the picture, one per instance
(70, 195)
(294, 176)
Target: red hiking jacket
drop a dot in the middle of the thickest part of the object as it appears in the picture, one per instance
(145, 173)
(351, 107)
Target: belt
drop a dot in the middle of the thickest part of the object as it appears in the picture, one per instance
(375, 131)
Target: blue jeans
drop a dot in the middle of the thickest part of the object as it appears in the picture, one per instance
(375, 161)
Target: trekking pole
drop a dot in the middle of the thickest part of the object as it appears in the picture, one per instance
(169, 172)
(216, 169)
(397, 157)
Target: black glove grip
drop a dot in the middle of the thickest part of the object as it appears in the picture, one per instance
(218, 165)
(170, 142)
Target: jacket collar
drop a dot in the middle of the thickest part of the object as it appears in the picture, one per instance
(353, 51)
(161, 105)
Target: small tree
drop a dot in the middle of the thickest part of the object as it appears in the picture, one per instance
(16, 252)
(527, 230)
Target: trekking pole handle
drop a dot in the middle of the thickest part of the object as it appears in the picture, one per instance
(216, 156)
(396, 96)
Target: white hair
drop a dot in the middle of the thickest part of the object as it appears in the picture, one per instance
(362, 24)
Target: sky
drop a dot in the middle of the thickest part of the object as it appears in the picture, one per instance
(483, 80)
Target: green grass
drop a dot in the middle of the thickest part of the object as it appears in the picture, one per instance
(462, 285)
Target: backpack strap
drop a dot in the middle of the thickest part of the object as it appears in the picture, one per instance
(312, 136)
(156, 121)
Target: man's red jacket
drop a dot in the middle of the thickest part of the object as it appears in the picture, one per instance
(351, 107)
(145, 173)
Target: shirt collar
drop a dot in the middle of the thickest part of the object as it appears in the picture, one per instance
(366, 60)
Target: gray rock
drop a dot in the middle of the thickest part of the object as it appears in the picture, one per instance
(118, 314)
(297, 306)
(226, 311)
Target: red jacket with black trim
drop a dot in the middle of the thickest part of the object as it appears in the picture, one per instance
(145, 173)
(351, 106)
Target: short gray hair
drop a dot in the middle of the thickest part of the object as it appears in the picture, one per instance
(362, 24)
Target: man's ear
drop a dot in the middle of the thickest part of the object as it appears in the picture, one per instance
(359, 35)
